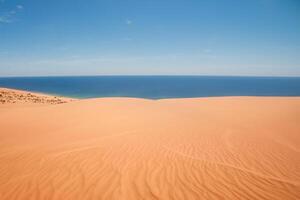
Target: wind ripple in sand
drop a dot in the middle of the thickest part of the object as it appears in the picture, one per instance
(234, 167)
(216, 148)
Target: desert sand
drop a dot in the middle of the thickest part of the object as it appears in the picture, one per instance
(11, 96)
(127, 148)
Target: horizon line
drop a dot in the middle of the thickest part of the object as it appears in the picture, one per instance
(148, 75)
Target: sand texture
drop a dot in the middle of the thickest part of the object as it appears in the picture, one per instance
(10, 96)
(124, 148)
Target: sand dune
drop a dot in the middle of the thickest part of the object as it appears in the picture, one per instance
(10, 96)
(123, 148)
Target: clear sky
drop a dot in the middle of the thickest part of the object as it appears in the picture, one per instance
(149, 37)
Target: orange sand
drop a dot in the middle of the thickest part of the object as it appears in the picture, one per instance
(124, 148)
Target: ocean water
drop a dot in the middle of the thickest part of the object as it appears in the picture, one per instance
(156, 87)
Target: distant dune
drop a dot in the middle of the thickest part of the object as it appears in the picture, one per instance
(126, 148)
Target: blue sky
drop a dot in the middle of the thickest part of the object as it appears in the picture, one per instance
(150, 37)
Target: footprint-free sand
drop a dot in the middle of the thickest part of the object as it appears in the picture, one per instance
(126, 148)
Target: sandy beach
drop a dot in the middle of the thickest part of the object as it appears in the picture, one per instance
(129, 148)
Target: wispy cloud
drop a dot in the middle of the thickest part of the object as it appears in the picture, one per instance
(127, 39)
(207, 51)
(9, 16)
(20, 7)
(128, 21)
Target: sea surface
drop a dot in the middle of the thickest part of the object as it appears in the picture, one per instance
(156, 87)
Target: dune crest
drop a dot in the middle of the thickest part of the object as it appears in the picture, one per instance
(122, 148)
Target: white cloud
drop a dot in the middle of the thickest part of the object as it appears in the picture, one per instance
(207, 51)
(8, 17)
(127, 39)
(19, 7)
(3, 20)
(128, 22)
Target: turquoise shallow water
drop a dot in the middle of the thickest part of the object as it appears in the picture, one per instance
(157, 87)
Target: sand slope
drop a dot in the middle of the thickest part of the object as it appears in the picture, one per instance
(121, 148)
(17, 97)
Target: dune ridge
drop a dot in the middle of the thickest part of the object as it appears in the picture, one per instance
(126, 148)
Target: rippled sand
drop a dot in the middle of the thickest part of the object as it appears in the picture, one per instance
(121, 148)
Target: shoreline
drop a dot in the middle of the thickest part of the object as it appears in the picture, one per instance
(129, 97)
(157, 87)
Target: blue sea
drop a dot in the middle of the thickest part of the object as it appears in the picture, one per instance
(156, 87)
